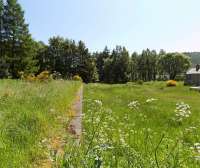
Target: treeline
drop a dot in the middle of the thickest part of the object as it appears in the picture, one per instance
(118, 66)
(20, 53)
(195, 57)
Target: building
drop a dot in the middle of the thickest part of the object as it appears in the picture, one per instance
(193, 76)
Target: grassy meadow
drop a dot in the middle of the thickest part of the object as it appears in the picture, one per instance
(140, 126)
(30, 114)
(130, 125)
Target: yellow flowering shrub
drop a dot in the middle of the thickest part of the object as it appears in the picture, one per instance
(30, 78)
(43, 76)
(171, 83)
(77, 78)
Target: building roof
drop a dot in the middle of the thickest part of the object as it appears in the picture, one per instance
(193, 71)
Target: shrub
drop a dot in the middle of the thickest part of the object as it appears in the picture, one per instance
(21, 75)
(180, 78)
(56, 75)
(77, 78)
(140, 82)
(30, 78)
(44, 76)
(171, 83)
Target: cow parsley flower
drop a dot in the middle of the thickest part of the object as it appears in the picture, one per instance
(196, 150)
(150, 100)
(99, 102)
(134, 105)
(182, 111)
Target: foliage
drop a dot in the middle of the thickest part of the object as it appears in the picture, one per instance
(44, 76)
(17, 47)
(174, 64)
(140, 82)
(195, 57)
(19, 52)
(31, 78)
(171, 83)
(114, 67)
(56, 75)
(68, 58)
(77, 78)
(147, 65)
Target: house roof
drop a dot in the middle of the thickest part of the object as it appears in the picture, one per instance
(193, 71)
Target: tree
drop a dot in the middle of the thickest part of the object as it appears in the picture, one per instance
(55, 55)
(20, 48)
(153, 65)
(42, 56)
(1, 27)
(160, 72)
(174, 64)
(3, 65)
(147, 65)
(100, 60)
(133, 67)
(116, 66)
(122, 65)
(108, 70)
(85, 66)
(162, 52)
(67, 58)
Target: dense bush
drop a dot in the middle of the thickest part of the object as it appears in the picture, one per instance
(171, 83)
(77, 78)
(140, 82)
(43, 76)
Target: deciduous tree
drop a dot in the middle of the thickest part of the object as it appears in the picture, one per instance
(174, 64)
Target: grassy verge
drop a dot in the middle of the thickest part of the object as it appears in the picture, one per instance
(138, 126)
(30, 114)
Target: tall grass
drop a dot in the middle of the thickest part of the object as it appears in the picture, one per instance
(138, 126)
(29, 113)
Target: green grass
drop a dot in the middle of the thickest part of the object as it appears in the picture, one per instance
(29, 113)
(145, 137)
(114, 135)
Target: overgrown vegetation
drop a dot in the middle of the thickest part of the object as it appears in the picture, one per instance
(30, 114)
(149, 125)
(138, 124)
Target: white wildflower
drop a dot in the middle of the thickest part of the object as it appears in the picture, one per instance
(150, 100)
(134, 105)
(182, 111)
(52, 110)
(99, 102)
(196, 150)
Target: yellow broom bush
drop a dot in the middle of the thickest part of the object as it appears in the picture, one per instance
(43, 76)
(77, 78)
(171, 83)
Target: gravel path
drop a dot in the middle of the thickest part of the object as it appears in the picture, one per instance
(75, 129)
(75, 126)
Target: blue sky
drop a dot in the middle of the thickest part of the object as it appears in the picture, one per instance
(173, 25)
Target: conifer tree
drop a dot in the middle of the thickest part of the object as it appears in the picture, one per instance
(1, 25)
(20, 48)
(2, 46)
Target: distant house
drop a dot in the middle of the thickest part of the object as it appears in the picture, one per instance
(193, 76)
